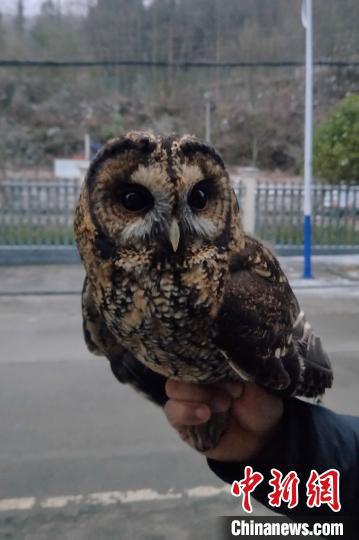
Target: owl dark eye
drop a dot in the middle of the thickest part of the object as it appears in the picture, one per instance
(198, 197)
(137, 199)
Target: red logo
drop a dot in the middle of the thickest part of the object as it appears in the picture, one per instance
(284, 489)
(320, 488)
(324, 489)
(246, 486)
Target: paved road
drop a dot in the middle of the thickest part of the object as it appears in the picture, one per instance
(68, 428)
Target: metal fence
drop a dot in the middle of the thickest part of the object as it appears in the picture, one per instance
(335, 217)
(36, 219)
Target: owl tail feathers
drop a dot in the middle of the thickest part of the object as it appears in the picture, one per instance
(128, 370)
(315, 369)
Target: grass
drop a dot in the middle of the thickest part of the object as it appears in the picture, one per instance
(331, 235)
(36, 235)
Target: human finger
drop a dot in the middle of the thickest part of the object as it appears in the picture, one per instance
(217, 398)
(257, 410)
(180, 413)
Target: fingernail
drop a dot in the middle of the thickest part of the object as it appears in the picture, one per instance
(202, 413)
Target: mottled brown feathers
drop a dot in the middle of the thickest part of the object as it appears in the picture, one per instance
(176, 285)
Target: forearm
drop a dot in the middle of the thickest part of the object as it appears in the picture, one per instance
(308, 438)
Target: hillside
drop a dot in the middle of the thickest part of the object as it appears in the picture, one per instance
(257, 113)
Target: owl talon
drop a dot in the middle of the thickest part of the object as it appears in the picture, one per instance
(207, 436)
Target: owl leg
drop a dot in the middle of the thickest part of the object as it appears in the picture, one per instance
(207, 436)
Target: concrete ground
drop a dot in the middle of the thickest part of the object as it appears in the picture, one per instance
(67, 278)
(82, 457)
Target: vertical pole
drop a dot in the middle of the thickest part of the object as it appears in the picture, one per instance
(248, 203)
(207, 105)
(87, 146)
(307, 20)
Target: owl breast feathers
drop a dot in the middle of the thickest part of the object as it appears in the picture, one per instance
(174, 288)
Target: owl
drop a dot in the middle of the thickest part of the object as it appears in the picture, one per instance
(174, 288)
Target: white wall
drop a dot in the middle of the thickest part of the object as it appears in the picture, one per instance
(70, 168)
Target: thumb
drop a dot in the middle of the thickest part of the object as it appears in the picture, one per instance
(256, 410)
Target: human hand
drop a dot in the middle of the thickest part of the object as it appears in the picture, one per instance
(253, 415)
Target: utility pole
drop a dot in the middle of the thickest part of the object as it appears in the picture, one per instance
(207, 106)
(307, 21)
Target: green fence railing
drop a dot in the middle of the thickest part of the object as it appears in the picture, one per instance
(335, 217)
(36, 218)
(37, 213)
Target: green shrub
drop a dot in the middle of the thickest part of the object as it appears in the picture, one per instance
(336, 143)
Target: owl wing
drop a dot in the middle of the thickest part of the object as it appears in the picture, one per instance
(263, 331)
(124, 365)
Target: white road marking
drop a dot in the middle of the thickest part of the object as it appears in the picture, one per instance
(110, 497)
(23, 503)
(60, 502)
(139, 495)
(207, 491)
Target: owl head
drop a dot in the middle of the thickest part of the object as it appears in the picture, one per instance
(157, 196)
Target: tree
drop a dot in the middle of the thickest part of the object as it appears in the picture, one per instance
(20, 18)
(336, 143)
(48, 9)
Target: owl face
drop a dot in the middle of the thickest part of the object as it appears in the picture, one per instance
(164, 195)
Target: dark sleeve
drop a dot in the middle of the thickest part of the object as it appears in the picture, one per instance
(309, 437)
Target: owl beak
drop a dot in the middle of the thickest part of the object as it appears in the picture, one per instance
(174, 234)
